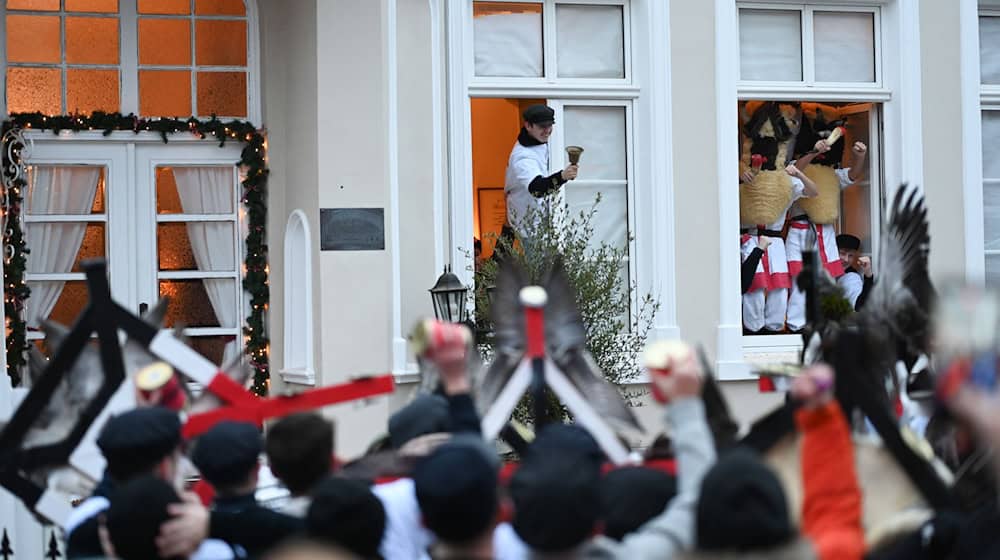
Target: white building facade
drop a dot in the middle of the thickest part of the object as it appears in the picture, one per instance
(410, 107)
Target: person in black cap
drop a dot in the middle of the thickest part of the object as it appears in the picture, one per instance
(456, 487)
(227, 456)
(742, 511)
(528, 178)
(345, 513)
(143, 441)
(857, 280)
(631, 496)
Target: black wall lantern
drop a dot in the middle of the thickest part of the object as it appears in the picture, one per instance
(448, 295)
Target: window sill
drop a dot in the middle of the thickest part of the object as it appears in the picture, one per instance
(299, 376)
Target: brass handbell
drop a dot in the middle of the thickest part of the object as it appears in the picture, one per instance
(574, 154)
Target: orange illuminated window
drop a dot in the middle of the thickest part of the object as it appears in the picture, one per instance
(164, 42)
(180, 58)
(66, 62)
(165, 92)
(92, 6)
(172, 7)
(34, 89)
(91, 90)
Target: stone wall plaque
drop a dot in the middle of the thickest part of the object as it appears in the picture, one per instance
(352, 229)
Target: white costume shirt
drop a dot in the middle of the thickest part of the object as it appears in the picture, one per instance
(852, 283)
(525, 163)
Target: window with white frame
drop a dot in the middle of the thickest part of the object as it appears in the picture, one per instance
(172, 58)
(822, 64)
(809, 45)
(989, 69)
(527, 52)
(551, 40)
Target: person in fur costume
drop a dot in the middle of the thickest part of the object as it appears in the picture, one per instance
(742, 510)
(767, 190)
(821, 154)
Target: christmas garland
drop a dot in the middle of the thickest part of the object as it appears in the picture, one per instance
(254, 197)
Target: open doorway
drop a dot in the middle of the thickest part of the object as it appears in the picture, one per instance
(495, 125)
(853, 207)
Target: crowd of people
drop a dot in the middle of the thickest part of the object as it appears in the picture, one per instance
(434, 488)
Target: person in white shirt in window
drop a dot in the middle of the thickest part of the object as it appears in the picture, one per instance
(766, 300)
(857, 280)
(528, 179)
(825, 233)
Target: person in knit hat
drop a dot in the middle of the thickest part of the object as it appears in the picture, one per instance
(742, 510)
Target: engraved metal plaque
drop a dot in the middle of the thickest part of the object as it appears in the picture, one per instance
(352, 229)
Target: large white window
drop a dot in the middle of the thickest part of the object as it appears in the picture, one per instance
(531, 52)
(989, 67)
(168, 221)
(809, 45)
(826, 58)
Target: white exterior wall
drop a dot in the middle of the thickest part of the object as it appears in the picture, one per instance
(352, 88)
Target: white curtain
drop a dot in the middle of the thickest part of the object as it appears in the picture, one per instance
(508, 44)
(770, 45)
(54, 246)
(209, 190)
(845, 46)
(989, 49)
(590, 41)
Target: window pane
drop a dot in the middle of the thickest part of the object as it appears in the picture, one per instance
(989, 49)
(770, 45)
(190, 302)
(36, 5)
(991, 139)
(34, 89)
(215, 245)
(165, 42)
(92, 90)
(855, 202)
(993, 271)
(89, 237)
(91, 40)
(220, 8)
(217, 349)
(844, 47)
(33, 39)
(96, 6)
(601, 133)
(64, 190)
(222, 93)
(991, 215)
(164, 7)
(591, 41)
(221, 43)
(165, 93)
(508, 38)
(611, 220)
(168, 200)
(59, 301)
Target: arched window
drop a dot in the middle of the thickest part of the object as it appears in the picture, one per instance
(297, 366)
(154, 58)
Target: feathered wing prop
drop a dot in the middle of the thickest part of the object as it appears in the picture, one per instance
(508, 333)
(566, 343)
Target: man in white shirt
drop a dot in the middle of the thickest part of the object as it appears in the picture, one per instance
(857, 279)
(528, 179)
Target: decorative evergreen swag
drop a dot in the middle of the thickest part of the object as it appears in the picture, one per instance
(254, 197)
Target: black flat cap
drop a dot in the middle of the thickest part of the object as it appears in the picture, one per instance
(456, 487)
(227, 453)
(631, 496)
(556, 500)
(136, 440)
(849, 242)
(426, 414)
(540, 114)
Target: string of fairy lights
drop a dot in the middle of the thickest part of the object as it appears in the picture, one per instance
(253, 168)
